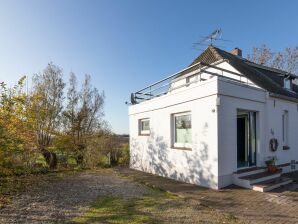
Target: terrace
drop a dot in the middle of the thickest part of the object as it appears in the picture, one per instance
(189, 76)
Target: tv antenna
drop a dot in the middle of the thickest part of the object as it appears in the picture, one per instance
(210, 39)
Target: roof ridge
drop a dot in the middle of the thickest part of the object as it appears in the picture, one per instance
(265, 67)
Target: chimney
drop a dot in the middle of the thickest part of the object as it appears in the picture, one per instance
(236, 51)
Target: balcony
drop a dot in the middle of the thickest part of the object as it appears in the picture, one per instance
(190, 76)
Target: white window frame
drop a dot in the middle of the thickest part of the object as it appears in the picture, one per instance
(288, 83)
(285, 128)
(144, 132)
(177, 144)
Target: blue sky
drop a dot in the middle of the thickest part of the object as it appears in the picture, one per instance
(125, 45)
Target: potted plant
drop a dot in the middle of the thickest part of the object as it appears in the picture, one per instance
(272, 168)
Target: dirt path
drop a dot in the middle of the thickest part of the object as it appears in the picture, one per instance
(58, 200)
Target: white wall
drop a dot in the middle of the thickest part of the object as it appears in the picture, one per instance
(274, 130)
(233, 97)
(154, 153)
(213, 104)
(206, 76)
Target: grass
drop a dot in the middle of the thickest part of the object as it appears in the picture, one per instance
(126, 210)
(155, 207)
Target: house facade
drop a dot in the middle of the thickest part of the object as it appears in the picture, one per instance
(216, 123)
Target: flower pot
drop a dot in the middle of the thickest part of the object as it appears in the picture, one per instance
(272, 169)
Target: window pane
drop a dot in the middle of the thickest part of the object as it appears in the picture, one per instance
(287, 83)
(145, 126)
(183, 129)
(285, 127)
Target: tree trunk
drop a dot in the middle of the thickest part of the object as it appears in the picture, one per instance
(51, 158)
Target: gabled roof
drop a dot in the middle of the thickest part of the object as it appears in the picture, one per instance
(270, 79)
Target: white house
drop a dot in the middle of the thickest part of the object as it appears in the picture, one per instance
(216, 122)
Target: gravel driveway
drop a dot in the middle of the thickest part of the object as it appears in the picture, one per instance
(58, 200)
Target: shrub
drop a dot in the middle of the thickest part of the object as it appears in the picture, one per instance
(124, 156)
(103, 161)
(5, 172)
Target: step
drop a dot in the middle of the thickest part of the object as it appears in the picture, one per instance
(260, 177)
(249, 171)
(271, 184)
(248, 180)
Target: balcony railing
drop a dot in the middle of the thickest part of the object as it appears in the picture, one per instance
(164, 86)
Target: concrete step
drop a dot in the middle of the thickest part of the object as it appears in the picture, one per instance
(259, 177)
(248, 180)
(271, 184)
(249, 171)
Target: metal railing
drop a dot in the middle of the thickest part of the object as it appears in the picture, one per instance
(164, 86)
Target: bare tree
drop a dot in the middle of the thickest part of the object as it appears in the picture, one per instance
(46, 107)
(83, 115)
(286, 60)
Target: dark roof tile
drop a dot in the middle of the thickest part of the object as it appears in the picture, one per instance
(267, 78)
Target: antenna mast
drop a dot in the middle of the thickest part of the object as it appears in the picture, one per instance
(214, 36)
(211, 38)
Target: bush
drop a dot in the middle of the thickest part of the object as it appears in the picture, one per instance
(124, 155)
(41, 170)
(5, 172)
(103, 161)
(62, 160)
(71, 161)
(19, 171)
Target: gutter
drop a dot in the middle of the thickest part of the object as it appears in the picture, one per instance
(289, 98)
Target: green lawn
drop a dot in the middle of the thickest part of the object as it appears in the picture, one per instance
(156, 207)
(126, 210)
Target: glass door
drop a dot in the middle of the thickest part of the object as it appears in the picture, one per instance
(246, 139)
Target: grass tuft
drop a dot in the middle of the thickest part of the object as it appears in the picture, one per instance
(126, 210)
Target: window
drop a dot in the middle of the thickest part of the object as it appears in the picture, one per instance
(287, 83)
(144, 126)
(187, 81)
(191, 79)
(182, 130)
(285, 128)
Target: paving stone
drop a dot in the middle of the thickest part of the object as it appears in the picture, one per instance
(280, 206)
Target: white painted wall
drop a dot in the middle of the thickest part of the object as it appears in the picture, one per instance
(274, 122)
(233, 97)
(195, 76)
(213, 158)
(154, 153)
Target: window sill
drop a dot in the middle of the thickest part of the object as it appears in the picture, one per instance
(182, 148)
(144, 134)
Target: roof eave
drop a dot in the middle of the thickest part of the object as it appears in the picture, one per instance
(283, 97)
